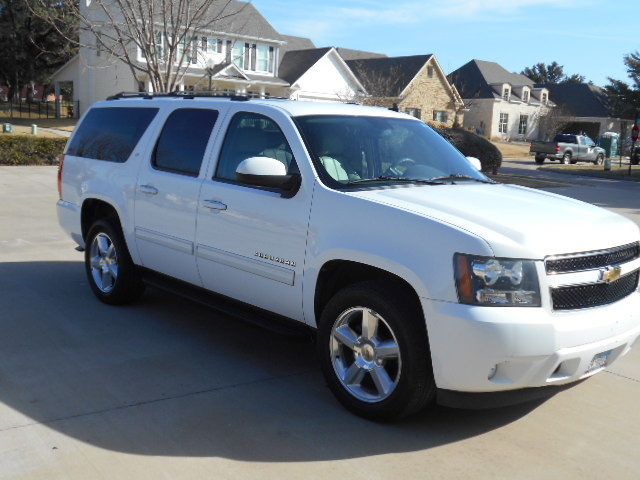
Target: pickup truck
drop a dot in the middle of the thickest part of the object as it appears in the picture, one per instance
(419, 278)
(568, 149)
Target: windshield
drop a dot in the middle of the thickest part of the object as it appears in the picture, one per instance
(362, 151)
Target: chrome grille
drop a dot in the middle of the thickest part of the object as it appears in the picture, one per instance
(592, 260)
(594, 295)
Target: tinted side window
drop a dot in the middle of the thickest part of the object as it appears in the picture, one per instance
(110, 133)
(253, 135)
(183, 140)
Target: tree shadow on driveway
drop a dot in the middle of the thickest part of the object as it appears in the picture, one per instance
(167, 377)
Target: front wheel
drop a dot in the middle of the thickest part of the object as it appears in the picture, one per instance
(374, 351)
(112, 275)
(599, 160)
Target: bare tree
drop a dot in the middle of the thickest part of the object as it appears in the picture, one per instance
(157, 39)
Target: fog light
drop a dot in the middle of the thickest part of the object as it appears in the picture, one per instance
(492, 372)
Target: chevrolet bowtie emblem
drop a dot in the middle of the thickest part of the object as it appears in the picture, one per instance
(610, 274)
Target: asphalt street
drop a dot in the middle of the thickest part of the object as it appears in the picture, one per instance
(167, 389)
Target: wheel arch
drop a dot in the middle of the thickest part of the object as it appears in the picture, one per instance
(94, 209)
(338, 274)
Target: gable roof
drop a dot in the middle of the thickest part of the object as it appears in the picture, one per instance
(349, 54)
(387, 76)
(474, 79)
(295, 63)
(582, 99)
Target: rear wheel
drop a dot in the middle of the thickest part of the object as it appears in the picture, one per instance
(374, 351)
(112, 275)
(566, 158)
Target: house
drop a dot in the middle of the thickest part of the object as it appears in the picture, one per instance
(582, 107)
(319, 74)
(500, 104)
(414, 84)
(242, 54)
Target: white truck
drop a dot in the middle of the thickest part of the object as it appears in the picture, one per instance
(420, 278)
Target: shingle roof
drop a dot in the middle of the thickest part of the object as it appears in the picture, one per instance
(582, 99)
(387, 76)
(295, 43)
(474, 79)
(349, 54)
(241, 18)
(295, 63)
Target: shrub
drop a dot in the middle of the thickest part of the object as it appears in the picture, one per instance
(472, 145)
(29, 150)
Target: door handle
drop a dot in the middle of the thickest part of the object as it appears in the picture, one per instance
(213, 205)
(148, 189)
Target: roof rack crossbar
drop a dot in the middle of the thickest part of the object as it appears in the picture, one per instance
(188, 95)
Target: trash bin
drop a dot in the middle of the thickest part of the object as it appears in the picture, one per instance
(610, 142)
(7, 128)
(34, 129)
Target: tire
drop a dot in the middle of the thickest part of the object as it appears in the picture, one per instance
(566, 159)
(540, 159)
(372, 382)
(112, 275)
(599, 160)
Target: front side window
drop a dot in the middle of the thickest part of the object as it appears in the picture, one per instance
(504, 120)
(110, 133)
(253, 135)
(370, 151)
(183, 141)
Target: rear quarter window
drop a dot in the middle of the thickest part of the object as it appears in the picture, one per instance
(110, 133)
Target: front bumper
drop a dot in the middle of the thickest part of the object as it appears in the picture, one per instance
(492, 349)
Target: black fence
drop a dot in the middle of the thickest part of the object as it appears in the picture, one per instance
(56, 109)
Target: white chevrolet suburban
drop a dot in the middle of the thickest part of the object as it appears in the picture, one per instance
(421, 278)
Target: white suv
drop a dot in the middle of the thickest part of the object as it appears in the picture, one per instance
(422, 278)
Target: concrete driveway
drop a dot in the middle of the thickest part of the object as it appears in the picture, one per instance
(167, 389)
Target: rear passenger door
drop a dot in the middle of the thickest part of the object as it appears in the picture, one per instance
(167, 193)
(251, 240)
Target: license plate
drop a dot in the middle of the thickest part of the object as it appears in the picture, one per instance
(599, 361)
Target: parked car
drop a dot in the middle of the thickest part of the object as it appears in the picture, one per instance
(420, 278)
(568, 149)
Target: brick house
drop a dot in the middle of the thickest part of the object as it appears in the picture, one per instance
(415, 84)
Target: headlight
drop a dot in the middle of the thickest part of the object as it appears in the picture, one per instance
(494, 281)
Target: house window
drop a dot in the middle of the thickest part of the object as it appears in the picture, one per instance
(505, 94)
(263, 58)
(204, 44)
(414, 112)
(525, 96)
(522, 126)
(440, 116)
(238, 54)
(215, 45)
(504, 119)
(430, 72)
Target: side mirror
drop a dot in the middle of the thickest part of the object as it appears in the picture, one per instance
(475, 162)
(267, 172)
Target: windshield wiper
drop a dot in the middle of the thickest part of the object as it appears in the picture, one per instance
(458, 176)
(382, 178)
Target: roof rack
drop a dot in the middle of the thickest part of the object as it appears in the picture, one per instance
(191, 95)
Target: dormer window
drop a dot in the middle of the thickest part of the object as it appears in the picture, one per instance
(506, 93)
(544, 97)
(525, 96)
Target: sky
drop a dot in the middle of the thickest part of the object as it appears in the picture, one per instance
(586, 37)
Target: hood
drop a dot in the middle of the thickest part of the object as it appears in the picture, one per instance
(515, 221)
